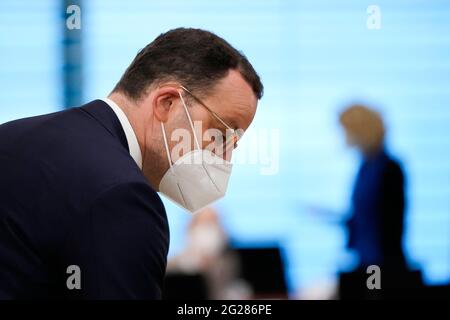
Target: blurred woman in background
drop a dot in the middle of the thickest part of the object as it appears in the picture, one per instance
(378, 199)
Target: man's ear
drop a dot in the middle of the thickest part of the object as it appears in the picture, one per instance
(164, 99)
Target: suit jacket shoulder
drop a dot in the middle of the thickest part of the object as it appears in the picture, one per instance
(68, 177)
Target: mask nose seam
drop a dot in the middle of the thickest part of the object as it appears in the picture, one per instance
(210, 178)
(182, 196)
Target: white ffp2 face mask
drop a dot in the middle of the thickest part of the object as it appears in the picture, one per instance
(198, 178)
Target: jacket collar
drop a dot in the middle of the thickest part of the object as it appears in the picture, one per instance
(103, 113)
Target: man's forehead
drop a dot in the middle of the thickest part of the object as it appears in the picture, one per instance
(236, 100)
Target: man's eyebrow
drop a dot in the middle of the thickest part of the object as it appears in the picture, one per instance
(232, 123)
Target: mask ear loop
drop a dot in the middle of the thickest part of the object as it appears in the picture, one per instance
(190, 121)
(170, 162)
(169, 158)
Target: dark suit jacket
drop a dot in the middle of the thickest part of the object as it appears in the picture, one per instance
(376, 226)
(70, 194)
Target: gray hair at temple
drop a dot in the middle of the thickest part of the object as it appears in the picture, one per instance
(364, 128)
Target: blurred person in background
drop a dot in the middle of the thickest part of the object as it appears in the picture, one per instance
(376, 225)
(207, 253)
(206, 240)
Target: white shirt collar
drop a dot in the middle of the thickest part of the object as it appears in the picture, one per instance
(133, 145)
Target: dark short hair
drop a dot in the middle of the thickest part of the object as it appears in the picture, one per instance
(196, 58)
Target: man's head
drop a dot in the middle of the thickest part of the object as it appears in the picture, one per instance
(215, 81)
(364, 128)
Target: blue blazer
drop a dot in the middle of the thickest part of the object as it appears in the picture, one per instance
(71, 195)
(377, 225)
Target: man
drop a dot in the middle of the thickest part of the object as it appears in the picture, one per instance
(79, 213)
